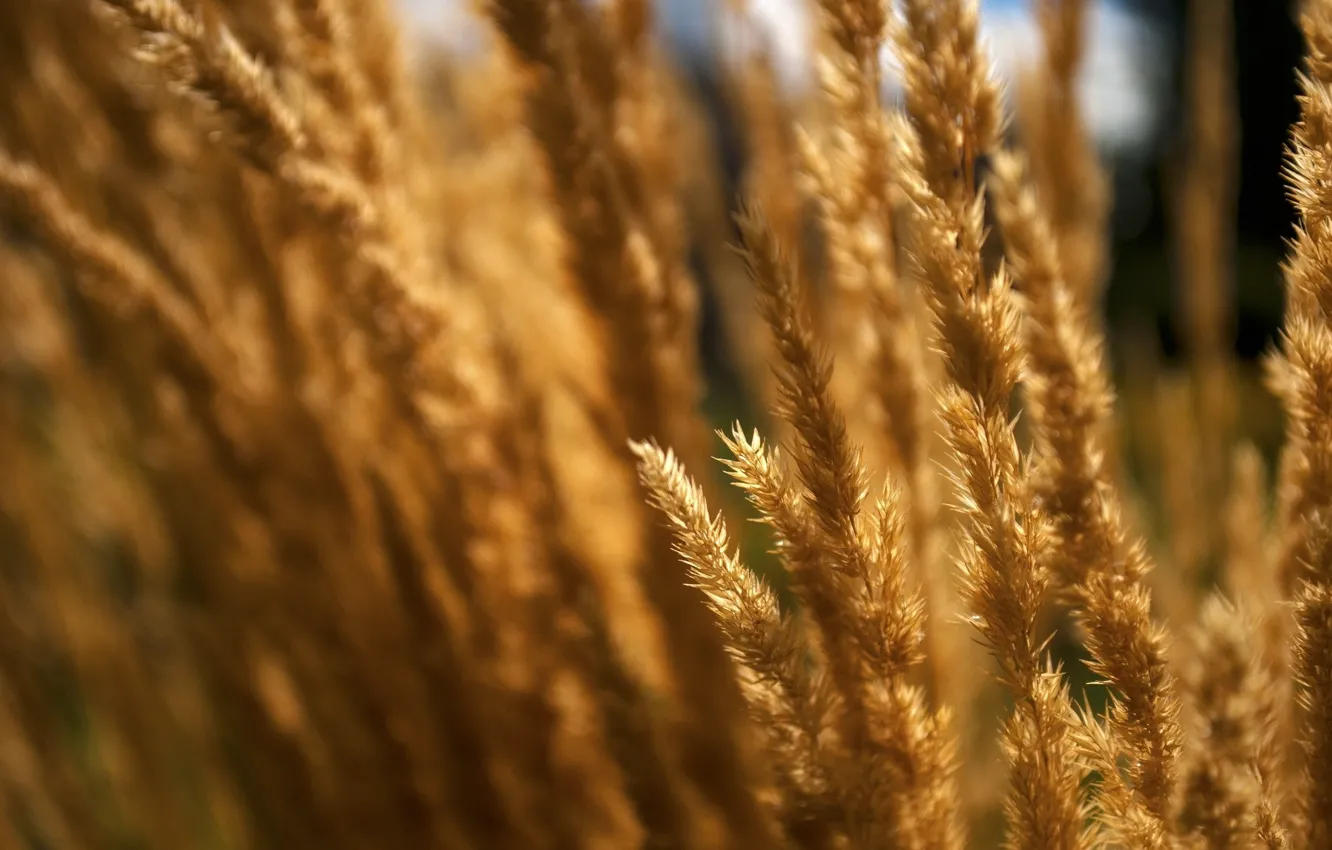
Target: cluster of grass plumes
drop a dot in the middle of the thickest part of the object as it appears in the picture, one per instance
(350, 399)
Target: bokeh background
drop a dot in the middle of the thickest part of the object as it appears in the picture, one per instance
(1134, 96)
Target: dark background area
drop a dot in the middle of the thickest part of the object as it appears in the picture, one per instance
(1267, 52)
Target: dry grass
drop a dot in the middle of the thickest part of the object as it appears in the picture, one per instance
(349, 408)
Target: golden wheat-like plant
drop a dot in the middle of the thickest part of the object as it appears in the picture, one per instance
(356, 489)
